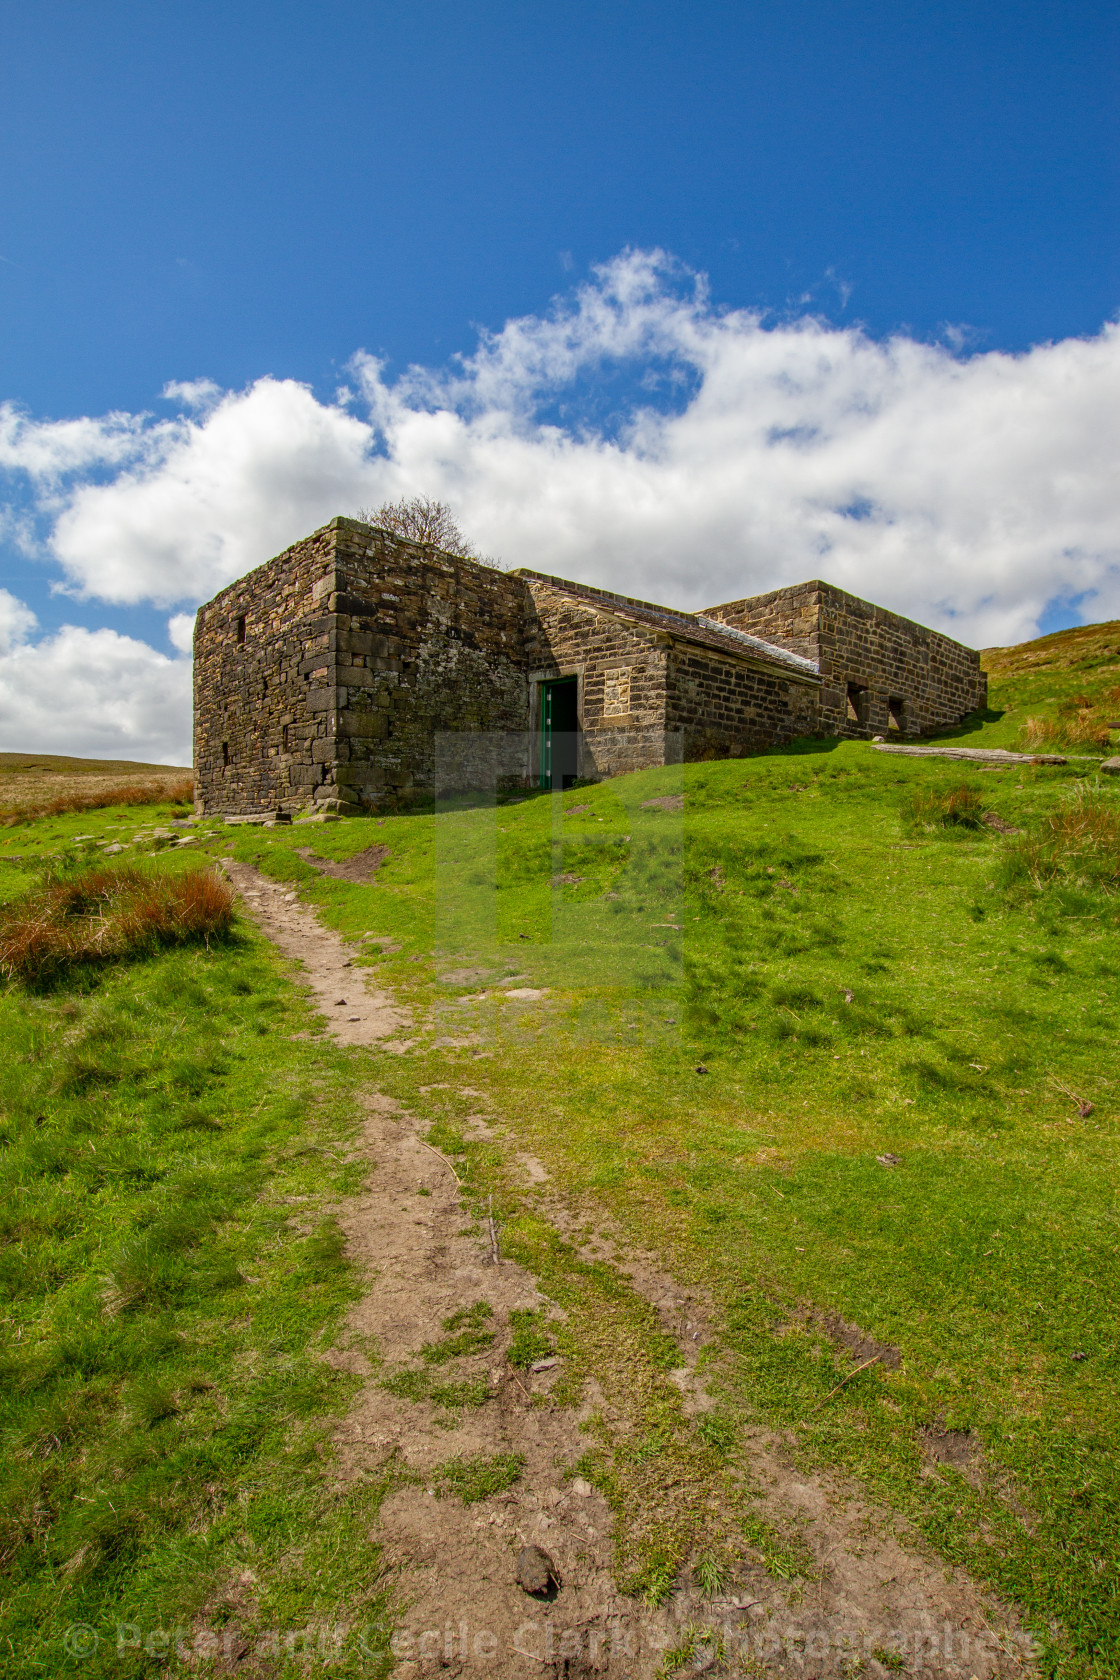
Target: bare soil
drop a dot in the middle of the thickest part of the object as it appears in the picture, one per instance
(874, 1593)
(362, 867)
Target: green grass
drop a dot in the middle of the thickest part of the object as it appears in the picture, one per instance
(530, 1340)
(170, 1280)
(1051, 679)
(856, 978)
(855, 985)
(477, 1476)
(466, 1334)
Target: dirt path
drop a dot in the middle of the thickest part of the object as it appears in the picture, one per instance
(354, 1012)
(445, 1420)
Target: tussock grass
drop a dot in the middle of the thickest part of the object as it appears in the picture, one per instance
(103, 915)
(1073, 727)
(75, 800)
(933, 807)
(1078, 844)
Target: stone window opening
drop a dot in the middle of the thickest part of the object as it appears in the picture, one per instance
(225, 755)
(240, 631)
(896, 707)
(857, 704)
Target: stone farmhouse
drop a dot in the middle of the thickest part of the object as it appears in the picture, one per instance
(324, 677)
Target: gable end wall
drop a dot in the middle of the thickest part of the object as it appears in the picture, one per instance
(621, 673)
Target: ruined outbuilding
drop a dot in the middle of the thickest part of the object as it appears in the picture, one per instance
(324, 677)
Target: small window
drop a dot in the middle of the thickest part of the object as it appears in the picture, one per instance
(225, 755)
(897, 708)
(240, 631)
(857, 703)
(284, 746)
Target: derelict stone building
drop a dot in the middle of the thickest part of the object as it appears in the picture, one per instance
(324, 677)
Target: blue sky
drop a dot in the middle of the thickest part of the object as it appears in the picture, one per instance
(242, 193)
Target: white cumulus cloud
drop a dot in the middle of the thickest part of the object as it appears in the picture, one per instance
(90, 693)
(633, 435)
(16, 621)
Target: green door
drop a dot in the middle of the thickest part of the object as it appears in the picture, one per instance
(559, 733)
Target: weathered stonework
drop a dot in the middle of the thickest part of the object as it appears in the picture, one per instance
(867, 658)
(323, 678)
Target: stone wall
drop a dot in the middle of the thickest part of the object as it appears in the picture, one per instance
(879, 672)
(325, 676)
(424, 642)
(621, 674)
(258, 746)
(724, 707)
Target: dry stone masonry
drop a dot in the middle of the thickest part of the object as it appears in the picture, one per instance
(323, 678)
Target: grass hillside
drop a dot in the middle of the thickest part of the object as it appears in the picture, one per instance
(36, 785)
(830, 1032)
(1070, 677)
(54, 764)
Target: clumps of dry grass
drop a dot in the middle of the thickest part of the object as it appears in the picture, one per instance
(105, 915)
(1078, 845)
(955, 807)
(1073, 727)
(73, 800)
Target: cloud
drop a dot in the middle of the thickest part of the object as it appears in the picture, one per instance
(16, 621)
(180, 631)
(195, 500)
(90, 693)
(637, 436)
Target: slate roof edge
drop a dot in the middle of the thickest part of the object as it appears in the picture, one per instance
(693, 627)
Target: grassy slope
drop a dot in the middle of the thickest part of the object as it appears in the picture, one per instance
(988, 1256)
(53, 764)
(171, 1273)
(1032, 679)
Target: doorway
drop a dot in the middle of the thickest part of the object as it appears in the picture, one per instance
(559, 733)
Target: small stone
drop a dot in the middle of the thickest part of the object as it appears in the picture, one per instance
(889, 1160)
(536, 1573)
(700, 1068)
(582, 1489)
(544, 1364)
(113, 848)
(1111, 766)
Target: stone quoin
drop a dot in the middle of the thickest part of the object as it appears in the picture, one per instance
(323, 678)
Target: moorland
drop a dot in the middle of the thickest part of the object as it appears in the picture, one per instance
(829, 1031)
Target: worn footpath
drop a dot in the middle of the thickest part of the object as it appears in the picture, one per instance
(501, 1551)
